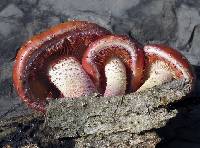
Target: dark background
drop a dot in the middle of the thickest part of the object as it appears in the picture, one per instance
(172, 22)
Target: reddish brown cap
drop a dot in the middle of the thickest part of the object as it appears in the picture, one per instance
(126, 49)
(177, 62)
(30, 68)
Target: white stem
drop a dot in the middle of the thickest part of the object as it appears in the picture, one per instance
(70, 78)
(159, 73)
(115, 73)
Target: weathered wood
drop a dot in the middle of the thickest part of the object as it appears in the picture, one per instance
(9, 126)
(121, 139)
(124, 121)
(133, 113)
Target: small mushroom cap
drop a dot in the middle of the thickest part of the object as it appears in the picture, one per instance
(177, 64)
(122, 47)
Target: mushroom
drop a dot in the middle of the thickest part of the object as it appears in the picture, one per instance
(32, 78)
(164, 64)
(115, 63)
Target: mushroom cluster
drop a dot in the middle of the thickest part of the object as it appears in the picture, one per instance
(78, 58)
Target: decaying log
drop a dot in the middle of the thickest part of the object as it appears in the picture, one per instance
(120, 139)
(105, 117)
(122, 121)
(9, 126)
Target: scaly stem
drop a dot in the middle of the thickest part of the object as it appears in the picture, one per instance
(70, 78)
(159, 73)
(115, 73)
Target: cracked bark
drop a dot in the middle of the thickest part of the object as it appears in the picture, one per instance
(124, 121)
(109, 121)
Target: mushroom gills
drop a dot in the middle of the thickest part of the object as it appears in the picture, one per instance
(158, 73)
(115, 73)
(70, 78)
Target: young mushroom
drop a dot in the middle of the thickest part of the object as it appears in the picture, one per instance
(34, 74)
(164, 64)
(115, 63)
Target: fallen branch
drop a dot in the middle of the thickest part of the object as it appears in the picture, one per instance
(132, 113)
